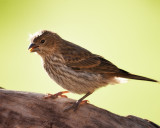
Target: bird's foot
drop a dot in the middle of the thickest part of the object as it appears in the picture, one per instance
(54, 96)
(84, 102)
(76, 105)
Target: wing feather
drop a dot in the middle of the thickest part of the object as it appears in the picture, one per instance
(80, 59)
(95, 64)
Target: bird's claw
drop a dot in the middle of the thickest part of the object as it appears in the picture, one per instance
(75, 105)
(84, 102)
(54, 96)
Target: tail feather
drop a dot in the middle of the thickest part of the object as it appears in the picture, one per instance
(126, 74)
(136, 77)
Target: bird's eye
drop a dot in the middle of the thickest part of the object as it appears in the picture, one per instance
(42, 41)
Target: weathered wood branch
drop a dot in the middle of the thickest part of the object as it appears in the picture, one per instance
(31, 110)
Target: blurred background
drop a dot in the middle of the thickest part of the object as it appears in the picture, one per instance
(126, 32)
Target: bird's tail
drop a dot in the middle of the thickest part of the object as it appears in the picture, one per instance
(126, 74)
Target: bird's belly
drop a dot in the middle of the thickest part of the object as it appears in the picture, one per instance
(76, 82)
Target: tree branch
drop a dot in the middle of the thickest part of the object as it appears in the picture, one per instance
(31, 110)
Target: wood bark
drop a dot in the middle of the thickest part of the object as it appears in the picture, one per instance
(31, 110)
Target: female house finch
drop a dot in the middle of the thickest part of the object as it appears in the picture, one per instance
(75, 68)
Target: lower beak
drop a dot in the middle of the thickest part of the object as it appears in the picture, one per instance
(33, 48)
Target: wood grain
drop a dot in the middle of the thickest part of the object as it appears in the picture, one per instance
(31, 110)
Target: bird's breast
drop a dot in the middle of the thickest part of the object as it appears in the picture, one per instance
(77, 82)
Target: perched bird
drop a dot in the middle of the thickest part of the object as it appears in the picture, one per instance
(74, 68)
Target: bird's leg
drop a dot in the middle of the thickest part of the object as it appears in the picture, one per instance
(78, 102)
(59, 94)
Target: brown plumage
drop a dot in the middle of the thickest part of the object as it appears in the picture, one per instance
(75, 68)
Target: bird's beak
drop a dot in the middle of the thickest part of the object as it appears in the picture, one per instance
(33, 48)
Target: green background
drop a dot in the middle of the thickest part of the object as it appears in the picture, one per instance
(126, 32)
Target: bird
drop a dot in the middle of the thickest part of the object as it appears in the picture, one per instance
(75, 68)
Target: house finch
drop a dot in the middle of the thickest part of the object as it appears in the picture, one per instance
(75, 68)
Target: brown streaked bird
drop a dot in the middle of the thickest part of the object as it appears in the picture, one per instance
(75, 68)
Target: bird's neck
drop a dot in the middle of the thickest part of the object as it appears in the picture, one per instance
(53, 58)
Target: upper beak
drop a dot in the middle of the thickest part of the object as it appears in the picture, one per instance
(33, 47)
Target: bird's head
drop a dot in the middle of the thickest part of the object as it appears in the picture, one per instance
(44, 42)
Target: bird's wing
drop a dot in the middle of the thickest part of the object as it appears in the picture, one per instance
(80, 59)
(93, 64)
